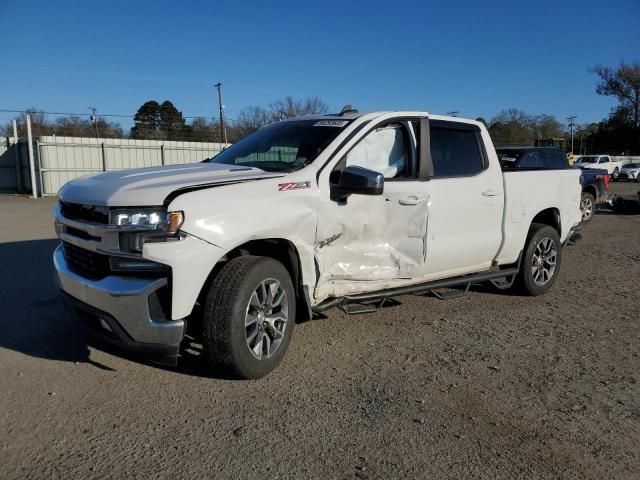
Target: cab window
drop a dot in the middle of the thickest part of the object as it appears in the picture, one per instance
(454, 152)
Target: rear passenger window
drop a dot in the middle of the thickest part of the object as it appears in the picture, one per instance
(455, 153)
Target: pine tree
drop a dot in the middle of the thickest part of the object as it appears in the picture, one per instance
(147, 121)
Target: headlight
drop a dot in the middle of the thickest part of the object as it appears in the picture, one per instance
(151, 219)
(148, 225)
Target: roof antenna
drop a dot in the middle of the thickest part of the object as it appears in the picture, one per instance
(348, 109)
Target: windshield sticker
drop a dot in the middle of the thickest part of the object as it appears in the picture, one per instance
(285, 187)
(331, 123)
(507, 159)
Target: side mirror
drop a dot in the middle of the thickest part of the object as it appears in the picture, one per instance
(357, 181)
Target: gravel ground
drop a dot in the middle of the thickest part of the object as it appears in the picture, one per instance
(491, 385)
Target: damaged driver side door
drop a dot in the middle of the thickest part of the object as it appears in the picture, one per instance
(365, 242)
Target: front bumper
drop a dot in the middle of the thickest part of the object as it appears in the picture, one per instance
(627, 176)
(120, 310)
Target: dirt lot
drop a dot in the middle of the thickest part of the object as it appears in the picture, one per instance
(491, 385)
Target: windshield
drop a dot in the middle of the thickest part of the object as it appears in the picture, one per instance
(588, 160)
(282, 146)
(632, 165)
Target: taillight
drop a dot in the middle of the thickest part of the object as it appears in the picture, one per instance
(605, 178)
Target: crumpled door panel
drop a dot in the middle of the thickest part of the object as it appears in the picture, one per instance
(369, 239)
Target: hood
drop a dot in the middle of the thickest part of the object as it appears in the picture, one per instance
(151, 186)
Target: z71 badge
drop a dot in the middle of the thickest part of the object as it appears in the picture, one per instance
(285, 187)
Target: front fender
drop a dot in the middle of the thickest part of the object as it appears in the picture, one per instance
(231, 215)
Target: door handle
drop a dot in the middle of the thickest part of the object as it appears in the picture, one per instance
(490, 193)
(411, 200)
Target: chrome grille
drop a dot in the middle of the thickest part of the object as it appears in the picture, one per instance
(88, 264)
(86, 213)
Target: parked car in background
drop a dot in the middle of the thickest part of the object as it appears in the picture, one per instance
(630, 171)
(601, 161)
(595, 183)
(532, 158)
(625, 204)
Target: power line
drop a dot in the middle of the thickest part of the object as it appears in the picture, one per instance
(77, 114)
(82, 114)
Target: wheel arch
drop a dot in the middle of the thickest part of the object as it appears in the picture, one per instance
(590, 189)
(280, 249)
(548, 216)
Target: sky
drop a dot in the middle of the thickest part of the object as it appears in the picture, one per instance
(476, 57)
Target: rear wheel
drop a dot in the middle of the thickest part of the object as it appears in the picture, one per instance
(587, 206)
(540, 262)
(615, 173)
(249, 316)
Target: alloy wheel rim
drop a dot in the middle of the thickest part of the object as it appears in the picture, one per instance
(266, 318)
(543, 264)
(587, 208)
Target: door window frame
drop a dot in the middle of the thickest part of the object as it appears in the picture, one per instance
(467, 127)
(412, 146)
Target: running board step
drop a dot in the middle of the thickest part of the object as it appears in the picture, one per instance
(359, 308)
(450, 294)
(504, 283)
(364, 299)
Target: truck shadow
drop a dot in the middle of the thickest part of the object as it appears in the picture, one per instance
(33, 321)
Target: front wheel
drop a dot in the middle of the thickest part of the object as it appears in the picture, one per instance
(249, 316)
(540, 262)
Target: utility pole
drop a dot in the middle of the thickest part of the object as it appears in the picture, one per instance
(572, 124)
(223, 131)
(94, 117)
(453, 113)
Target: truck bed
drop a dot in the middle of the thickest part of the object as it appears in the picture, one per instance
(528, 192)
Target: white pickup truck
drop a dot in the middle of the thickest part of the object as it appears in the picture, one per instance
(303, 215)
(604, 162)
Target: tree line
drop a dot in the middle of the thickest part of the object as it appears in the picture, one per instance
(619, 133)
(165, 122)
(64, 126)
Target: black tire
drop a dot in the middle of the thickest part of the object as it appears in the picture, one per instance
(587, 206)
(526, 282)
(227, 304)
